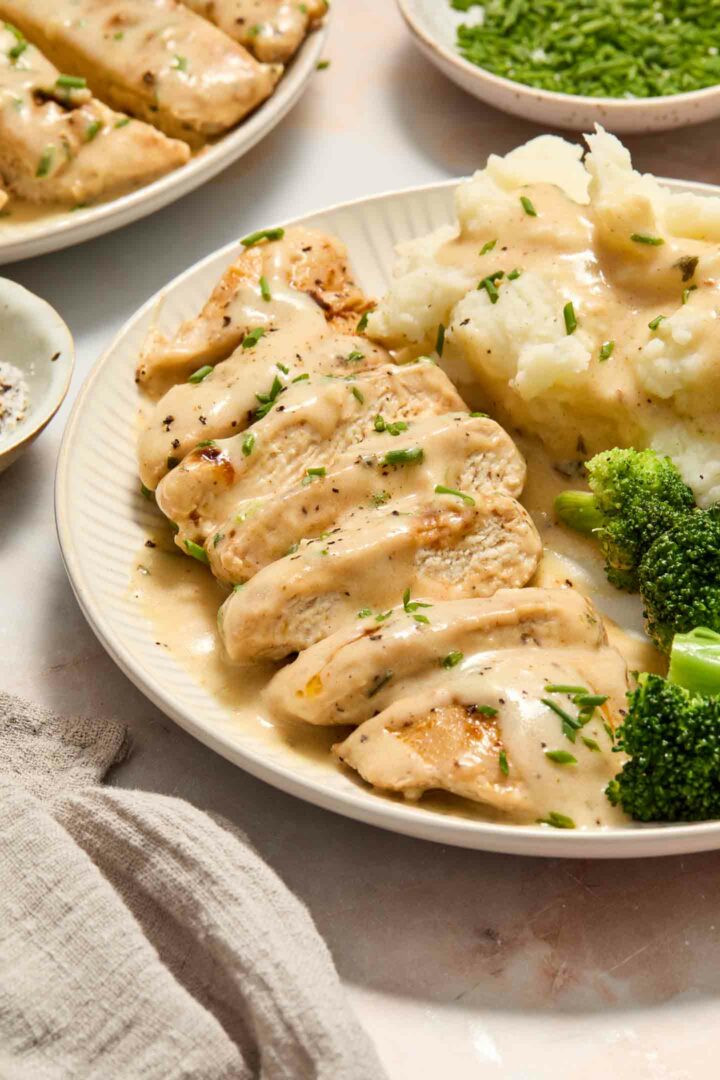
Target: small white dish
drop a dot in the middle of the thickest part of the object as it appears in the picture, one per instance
(103, 522)
(36, 235)
(433, 24)
(35, 340)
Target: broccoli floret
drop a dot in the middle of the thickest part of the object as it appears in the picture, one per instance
(636, 496)
(673, 739)
(680, 578)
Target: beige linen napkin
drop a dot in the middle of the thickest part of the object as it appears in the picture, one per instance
(140, 938)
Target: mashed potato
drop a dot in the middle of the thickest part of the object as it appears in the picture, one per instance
(599, 323)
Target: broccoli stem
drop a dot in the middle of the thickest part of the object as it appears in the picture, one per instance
(579, 510)
(695, 661)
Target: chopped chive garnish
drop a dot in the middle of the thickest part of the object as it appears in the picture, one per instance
(383, 616)
(606, 350)
(654, 323)
(609, 732)
(440, 340)
(570, 318)
(71, 82)
(452, 659)
(319, 471)
(486, 710)
(440, 489)
(487, 246)
(365, 613)
(503, 763)
(357, 395)
(421, 619)
(379, 423)
(196, 551)
(362, 325)
(123, 122)
(396, 428)
(686, 293)
(558, 821)
(248, 444)
(205, 442)
(489, 286)
(643, 238)
(250, 340)
(404, 457)
(262, 234)
(561, 757)
(239, 586)
(412, 605)
(180, 63)
(284, 368)
(379, 498)
(217, 538)
(92, 130)
(355, 356)
(514, 274)
(528, 206)
(570, 724)
(301, 378)
(585, 700)
(268, 400)
(561, 688)
(45, 163)
(265, 289)
(476, 413)
(591, 744)
(322, 65)
(378, 683)
(118, 35)
(18, 49)
(200, 374)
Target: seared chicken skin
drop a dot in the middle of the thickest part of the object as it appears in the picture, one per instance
(486, 735)
(303, 270)
(329, 682)
(273, 30)
(154, 59)
(226, 399)
(439, 549)
(307, 426)
(467, 453)
(58, 144)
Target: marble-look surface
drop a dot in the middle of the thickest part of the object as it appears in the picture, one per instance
(460, 964)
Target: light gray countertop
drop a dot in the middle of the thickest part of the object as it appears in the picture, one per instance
(460, 964)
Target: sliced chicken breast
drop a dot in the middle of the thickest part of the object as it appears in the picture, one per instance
(490, 736)
(467, 454)
(436, 551)
(329, 683)
(273, 30)
(154, 59)
(307, 426)
(303, 270)
(225, 400)
(58, 144)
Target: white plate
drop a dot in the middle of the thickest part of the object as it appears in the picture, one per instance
(61, 229)
(103, 521)
(433, 24)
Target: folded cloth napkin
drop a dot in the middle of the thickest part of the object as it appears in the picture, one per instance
(141, 938)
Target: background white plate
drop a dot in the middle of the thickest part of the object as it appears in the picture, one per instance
(61, 229)
(103, 521)
(433, 24)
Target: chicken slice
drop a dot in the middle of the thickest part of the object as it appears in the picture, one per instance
(304, 269)
(273, 30)
(308, 425)
(438, 550)
(58, 144)
(329, 682)
(225, 401)
(451, 737)
(154, 59)
(471, 454)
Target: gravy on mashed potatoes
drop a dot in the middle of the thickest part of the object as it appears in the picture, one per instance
(635, 267)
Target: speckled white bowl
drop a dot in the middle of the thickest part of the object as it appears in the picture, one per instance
(433, 24)
(34, 339)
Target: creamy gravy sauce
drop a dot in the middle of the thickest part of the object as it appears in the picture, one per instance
(181, 599)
